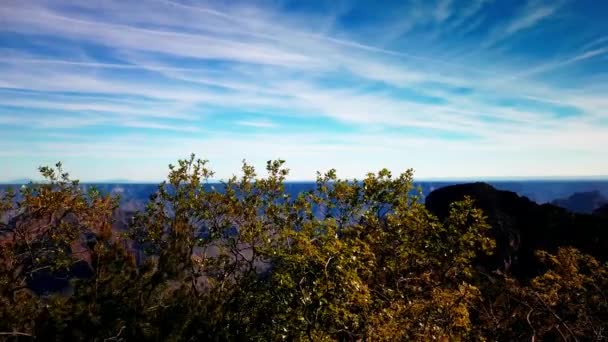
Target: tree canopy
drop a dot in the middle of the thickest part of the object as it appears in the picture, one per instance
(349, 261)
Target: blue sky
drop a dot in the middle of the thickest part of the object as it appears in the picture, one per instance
(453, 89)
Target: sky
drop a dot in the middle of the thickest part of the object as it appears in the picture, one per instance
(453, 89)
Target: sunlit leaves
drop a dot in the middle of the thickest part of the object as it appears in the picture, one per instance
(243, 260)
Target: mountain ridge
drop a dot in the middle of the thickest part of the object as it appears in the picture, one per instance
(521, 227)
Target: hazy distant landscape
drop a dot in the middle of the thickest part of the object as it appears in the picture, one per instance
(540, 191)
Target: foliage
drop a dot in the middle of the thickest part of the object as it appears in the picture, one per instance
(350, 260)
(568, 302)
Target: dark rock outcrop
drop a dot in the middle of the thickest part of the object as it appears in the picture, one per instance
(601, 211)
(521, 226)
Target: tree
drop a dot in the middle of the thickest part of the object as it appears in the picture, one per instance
(242, 260)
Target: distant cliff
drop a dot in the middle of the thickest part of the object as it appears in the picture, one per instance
(582, 202)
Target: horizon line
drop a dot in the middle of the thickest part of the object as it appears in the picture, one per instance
(416, 180)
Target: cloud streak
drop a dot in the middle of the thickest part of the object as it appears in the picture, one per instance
(211, 78)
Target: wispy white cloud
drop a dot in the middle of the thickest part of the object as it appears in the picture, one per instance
(201, 69)
(308, 152)
(467, 20)
(443, 10)
(257, 123)
(42, 20)
(532, 15)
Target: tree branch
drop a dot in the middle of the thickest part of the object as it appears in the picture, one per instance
(16, 333)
